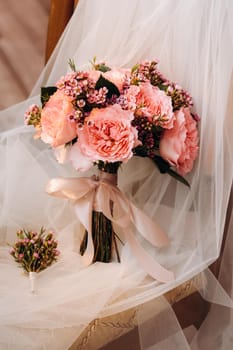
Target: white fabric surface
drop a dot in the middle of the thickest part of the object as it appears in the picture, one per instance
(194, 42)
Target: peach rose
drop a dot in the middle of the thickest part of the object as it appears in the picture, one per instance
(108, 135)
(179, 145)
(152, 103)
(116, 76)
(56, 127)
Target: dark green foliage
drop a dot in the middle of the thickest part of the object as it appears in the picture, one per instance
(46, 92)
(112, 89)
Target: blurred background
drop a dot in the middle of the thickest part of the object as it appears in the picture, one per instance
(23, 30)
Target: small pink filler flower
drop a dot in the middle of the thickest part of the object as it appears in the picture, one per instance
(179, 145)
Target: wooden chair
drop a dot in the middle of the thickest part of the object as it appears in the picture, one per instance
(60, 14)
(189, 307)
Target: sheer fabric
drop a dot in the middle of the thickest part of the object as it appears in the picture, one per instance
(194, 42)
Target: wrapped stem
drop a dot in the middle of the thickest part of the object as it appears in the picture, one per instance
(103, 234)
(32, 279)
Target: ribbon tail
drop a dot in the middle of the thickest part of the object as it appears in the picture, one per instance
(149, 229)
(152, 267)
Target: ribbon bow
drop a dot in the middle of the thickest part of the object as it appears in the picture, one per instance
(90, 194)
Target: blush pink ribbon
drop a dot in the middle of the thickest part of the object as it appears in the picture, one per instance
(90, 194)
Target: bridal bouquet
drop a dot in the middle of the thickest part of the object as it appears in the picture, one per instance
(104, 117)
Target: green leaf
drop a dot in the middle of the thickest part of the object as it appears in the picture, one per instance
(72, 64)
(72, 142)
(134, 68)
(46, 92)
(140, 151)
(164, 167)
(112, 88)
(162, 87)
(99, 66)
(178, 177)
(161, 164)
(102, 68)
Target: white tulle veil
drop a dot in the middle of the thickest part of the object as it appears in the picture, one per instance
(193, 41)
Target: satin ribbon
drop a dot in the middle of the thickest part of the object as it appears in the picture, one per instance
(90, 194)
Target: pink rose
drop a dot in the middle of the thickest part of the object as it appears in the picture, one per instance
(116, 76)
(108, 135)
(179, 145)
(56, 127)
(153, 103)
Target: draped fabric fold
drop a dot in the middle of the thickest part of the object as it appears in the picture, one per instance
(88, 194)
(200, 59)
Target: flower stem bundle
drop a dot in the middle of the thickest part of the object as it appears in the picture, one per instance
(103, 235)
